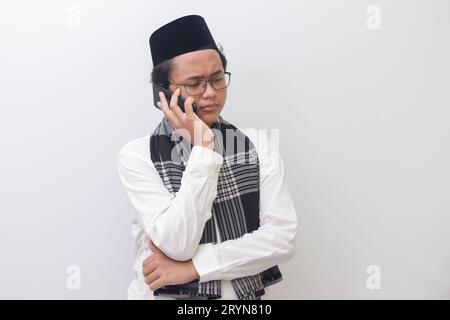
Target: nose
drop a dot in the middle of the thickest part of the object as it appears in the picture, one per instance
(209, 92)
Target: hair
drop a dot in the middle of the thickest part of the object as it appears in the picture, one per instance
(161, 72)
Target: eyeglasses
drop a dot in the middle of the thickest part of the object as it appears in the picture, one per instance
(198, 87)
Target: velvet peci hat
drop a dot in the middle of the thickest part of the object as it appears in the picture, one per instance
(183, 35)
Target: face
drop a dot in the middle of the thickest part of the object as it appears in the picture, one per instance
(203, 64)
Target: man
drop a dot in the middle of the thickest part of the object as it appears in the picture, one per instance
(212, 213)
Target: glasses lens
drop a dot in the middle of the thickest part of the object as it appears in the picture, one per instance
(195, 88)
(198, 87)
(221, 81)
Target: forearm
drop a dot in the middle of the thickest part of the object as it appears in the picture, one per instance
(174, 222)
(271, 244)
(248, 255)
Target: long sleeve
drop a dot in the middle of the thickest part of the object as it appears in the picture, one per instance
(271, 244)
(173, 222)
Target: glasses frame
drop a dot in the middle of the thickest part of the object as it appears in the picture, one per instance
(205, 85)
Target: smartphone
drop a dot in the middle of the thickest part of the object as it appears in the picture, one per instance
(158, 88)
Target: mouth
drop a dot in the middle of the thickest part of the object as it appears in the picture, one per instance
(209, 108)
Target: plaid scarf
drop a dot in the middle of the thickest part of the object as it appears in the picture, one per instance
(236, 206)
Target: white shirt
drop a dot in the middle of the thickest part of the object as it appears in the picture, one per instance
(175, 222)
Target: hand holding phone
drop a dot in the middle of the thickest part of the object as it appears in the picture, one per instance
(158, 88)
(186, 121)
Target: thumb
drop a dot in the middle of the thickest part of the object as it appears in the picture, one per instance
(152, 246)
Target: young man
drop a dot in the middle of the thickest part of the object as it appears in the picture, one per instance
(212, 213)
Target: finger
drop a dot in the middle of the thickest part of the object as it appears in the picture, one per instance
(152, 246)
(147, 261)
(167, 112)
(189, 108)
(148, 269)
(163, 100)
(152, 277)
(174, 104)
(157, 284)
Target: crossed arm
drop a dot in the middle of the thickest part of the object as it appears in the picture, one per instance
(174, 223)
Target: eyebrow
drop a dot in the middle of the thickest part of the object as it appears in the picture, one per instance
(200, 77)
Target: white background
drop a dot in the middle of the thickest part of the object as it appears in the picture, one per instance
(363, 117)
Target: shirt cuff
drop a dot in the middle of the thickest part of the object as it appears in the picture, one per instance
(204, 160)
(206, 263)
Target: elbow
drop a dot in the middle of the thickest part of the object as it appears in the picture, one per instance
(290, 250)
(177, 242)
(180, 254)
(287, 252)
(290, 247)
(175, 248)
(291, 239)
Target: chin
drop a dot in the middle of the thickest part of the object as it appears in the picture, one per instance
(209, 119)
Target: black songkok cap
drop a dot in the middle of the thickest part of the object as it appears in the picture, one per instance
(183, 35)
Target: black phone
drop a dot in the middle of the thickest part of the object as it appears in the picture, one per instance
(158, 88)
